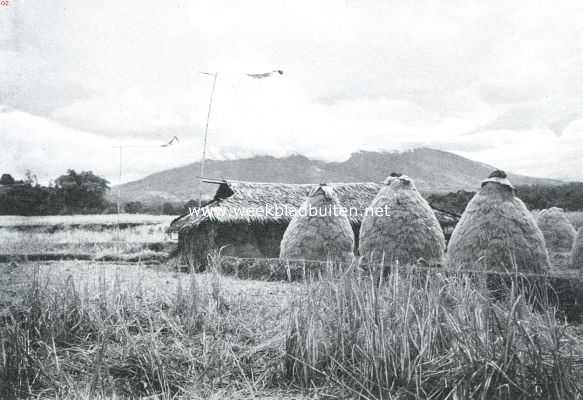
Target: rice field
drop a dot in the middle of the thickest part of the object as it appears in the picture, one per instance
(80, 330)
(107, 330)
(89, 235)
(7, 221)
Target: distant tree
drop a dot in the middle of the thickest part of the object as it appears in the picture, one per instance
(82, 192)
(568, 196)
(7, 179)
(536, 197)
(25, 199)
(453, 202)
(190, 204)
(193, 204)
(172, 208)
(30, 178)
(134, 207)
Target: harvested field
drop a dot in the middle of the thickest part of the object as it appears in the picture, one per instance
(269, 328)
(88, 237)
(86, 330)
(83, 220)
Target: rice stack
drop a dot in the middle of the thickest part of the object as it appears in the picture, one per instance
(557, 230)
(319, 230)
(400, 226)
(497, 233)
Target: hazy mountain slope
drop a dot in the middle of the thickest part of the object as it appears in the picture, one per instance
(433, 171)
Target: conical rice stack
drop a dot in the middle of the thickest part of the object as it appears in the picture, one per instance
(320, 230)
(557, 230)
(400, 226)
(497, 233)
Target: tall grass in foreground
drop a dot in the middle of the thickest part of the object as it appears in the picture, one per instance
(429, 336)
(410, 335)
(66, 340)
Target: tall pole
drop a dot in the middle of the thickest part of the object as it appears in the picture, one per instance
(206, 129)
(119, 183)
(117, 244)
(172, 141)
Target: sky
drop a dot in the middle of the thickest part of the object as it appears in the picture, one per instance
(499, 82)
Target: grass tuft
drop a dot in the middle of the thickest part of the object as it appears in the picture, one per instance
(428, 335)
(105, 332)
(118, 339)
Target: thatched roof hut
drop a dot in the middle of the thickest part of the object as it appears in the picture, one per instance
(320, 230)
(497, 232)
(406, 230)
(576, 260)
(557, 230)
(231, 220)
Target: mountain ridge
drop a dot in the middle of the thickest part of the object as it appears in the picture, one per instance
(435, 171)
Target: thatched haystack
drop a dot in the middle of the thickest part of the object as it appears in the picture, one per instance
(319, 231)
(405, 231)
(557, 230)
(577, 252)
(497, 232)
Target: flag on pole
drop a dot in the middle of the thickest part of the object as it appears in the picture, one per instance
(170, 143)
(266, 74)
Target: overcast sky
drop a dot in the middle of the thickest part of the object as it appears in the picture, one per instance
(496, 81)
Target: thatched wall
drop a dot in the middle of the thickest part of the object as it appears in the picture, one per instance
(237, 240)
(269, 237)
(409, 232)
(195, 244)
(497, 232)
(557, 230)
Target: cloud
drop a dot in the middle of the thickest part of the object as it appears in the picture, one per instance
(358, 75)
(536, 152)
(48, 149)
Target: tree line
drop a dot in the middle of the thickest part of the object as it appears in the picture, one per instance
(85, 193)
(71, 193)
(568, 196)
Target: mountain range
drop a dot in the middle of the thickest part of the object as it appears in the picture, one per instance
(434, 171)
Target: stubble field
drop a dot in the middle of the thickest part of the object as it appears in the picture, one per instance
(106, 330)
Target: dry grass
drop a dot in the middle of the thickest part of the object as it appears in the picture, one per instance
(433, 336)
(95, 219)
(81, 330)
(22, 242)
(93, 235)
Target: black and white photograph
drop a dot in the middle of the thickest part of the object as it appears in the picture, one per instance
(297, 200)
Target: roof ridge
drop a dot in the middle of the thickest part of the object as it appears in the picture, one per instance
(227, 181)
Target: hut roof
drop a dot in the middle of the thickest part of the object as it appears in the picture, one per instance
(234, 198)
